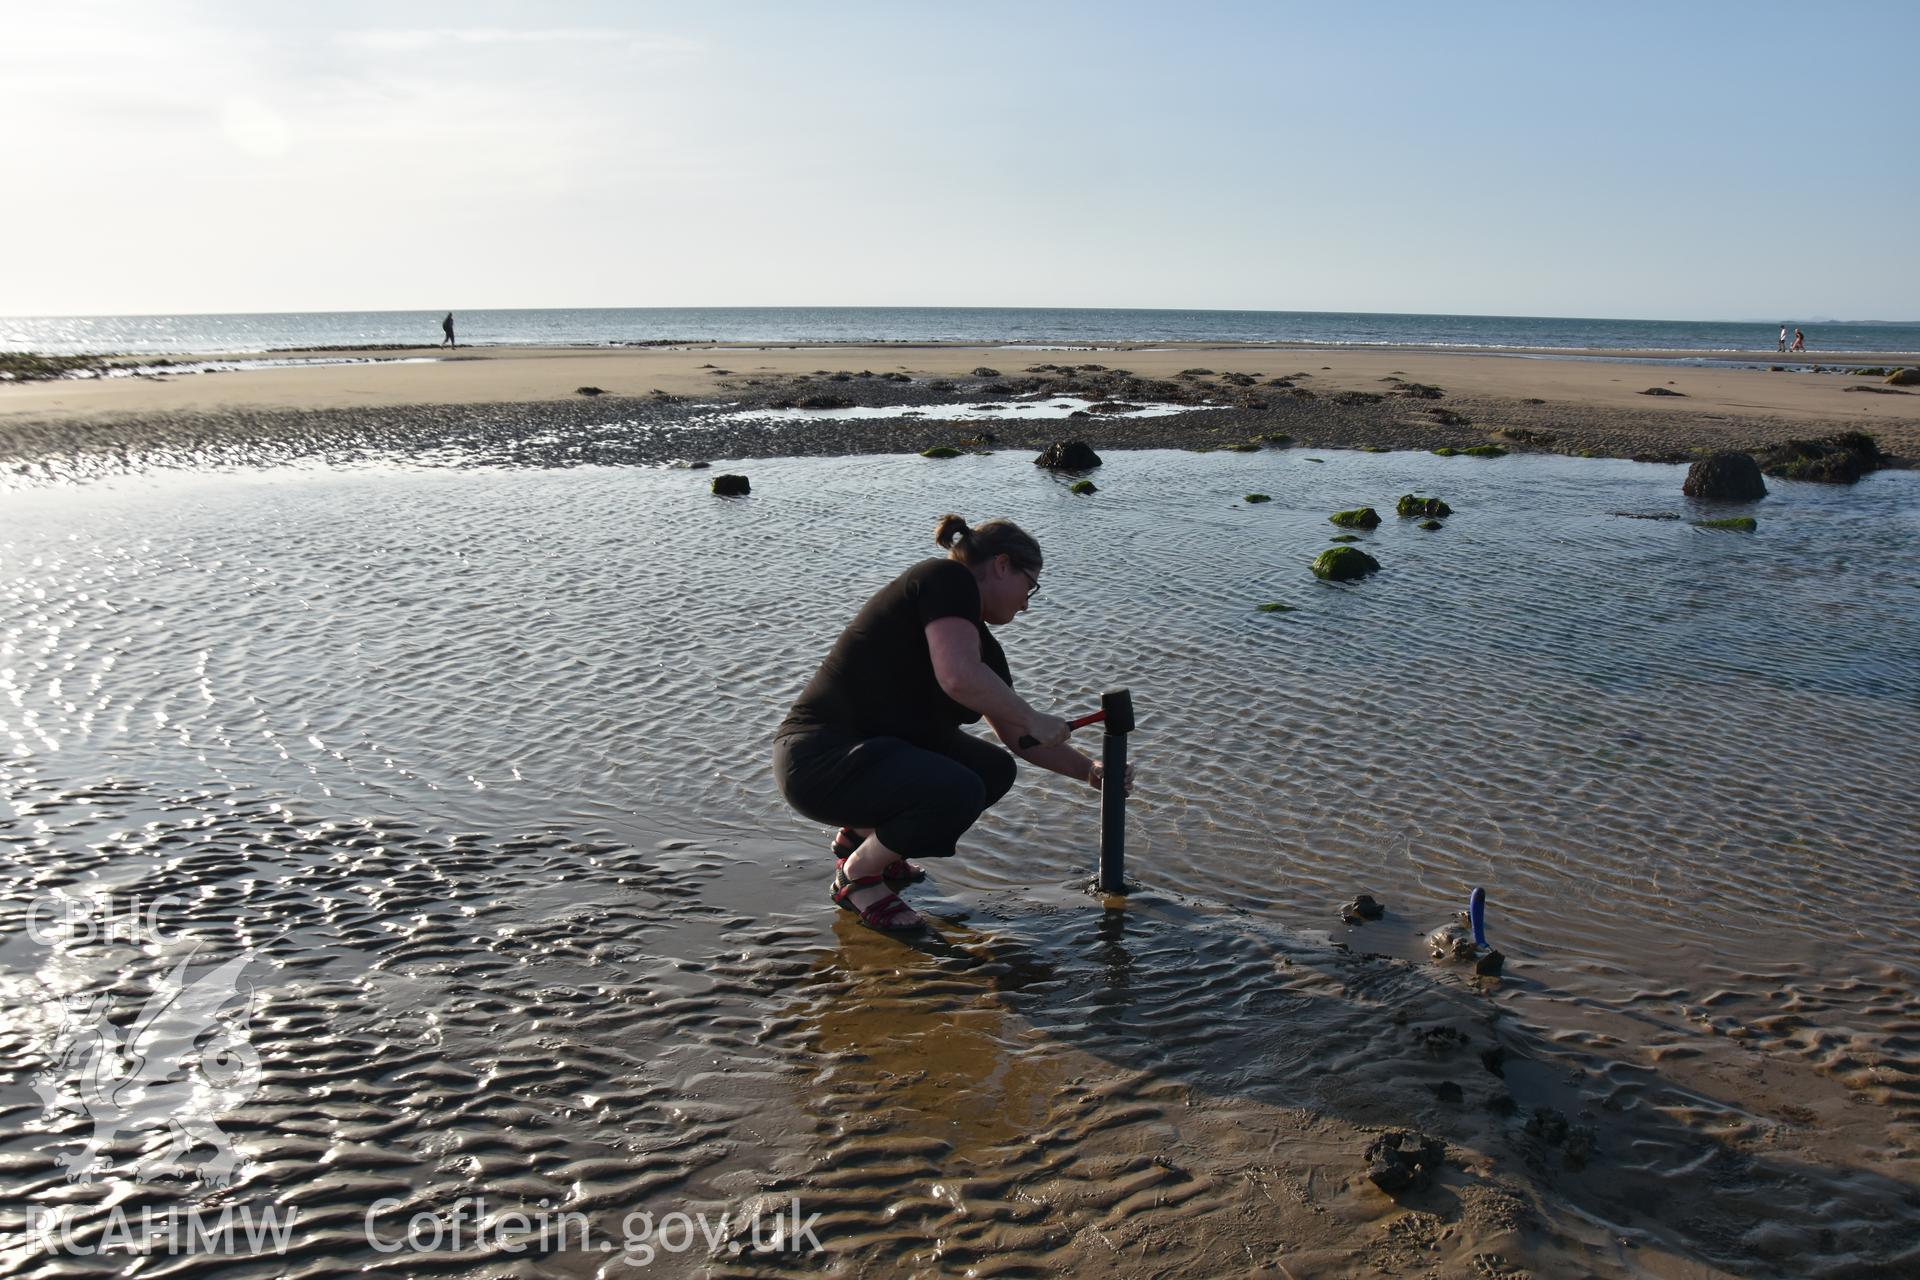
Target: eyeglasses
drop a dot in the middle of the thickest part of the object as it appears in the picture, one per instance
(1033, 583)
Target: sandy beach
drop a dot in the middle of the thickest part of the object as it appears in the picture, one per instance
(1327, 398)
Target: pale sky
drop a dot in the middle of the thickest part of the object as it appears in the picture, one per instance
(1694, 161)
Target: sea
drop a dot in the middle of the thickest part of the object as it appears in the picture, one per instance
(1014, 326)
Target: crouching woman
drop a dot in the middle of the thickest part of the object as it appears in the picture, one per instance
(874, 744)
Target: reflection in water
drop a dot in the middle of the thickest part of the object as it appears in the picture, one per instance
(1116, 961)
(922, 1035)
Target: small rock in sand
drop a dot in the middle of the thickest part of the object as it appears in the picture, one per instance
(1362, 908)
(1548, 1125)
(1452, 941)
(1403, 1160)
(1582, 1142)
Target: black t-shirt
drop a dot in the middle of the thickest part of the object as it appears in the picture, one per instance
(879, 681)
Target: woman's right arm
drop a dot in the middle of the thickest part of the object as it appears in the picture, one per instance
(954, 644)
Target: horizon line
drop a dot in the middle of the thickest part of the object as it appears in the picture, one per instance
(1473, 315)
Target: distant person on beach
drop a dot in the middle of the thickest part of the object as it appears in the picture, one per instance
(1799, 341)
(446, 327)
(874, 743)
(1783, 338)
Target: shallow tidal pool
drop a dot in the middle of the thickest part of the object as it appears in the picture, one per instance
(1680, 761)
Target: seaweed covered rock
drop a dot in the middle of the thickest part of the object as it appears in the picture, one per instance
(1068, 455)
(1344, 564)
(1904, 378)
(1358, 518)
(730, 486)
(1412, 505)
(1484, 451)
(940, 451)
(1446, 451)
(984, 372)
(1837, 459)
(26, 366)
(824, 400)
(1082, 487)
(1735, 524)
(589, 391)
(1431, 526)
(1256, 497)
(1729, 476)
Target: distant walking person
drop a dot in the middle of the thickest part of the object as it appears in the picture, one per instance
(446, 327)
(1783, 339)
(1799, 341)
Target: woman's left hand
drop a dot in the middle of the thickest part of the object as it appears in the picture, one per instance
(1097, 772)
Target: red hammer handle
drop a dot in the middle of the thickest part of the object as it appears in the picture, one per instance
(1028, 740)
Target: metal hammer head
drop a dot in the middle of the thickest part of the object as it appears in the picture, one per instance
(1118, 706)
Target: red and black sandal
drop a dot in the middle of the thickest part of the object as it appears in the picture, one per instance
(884, 913)
(899, 873)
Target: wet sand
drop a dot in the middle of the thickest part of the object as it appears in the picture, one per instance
(510, 402)
(474, 762)
(516, 375)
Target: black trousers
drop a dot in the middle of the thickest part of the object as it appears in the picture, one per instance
(918, 798)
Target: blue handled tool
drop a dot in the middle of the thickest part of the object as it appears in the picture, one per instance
(1477, 916)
